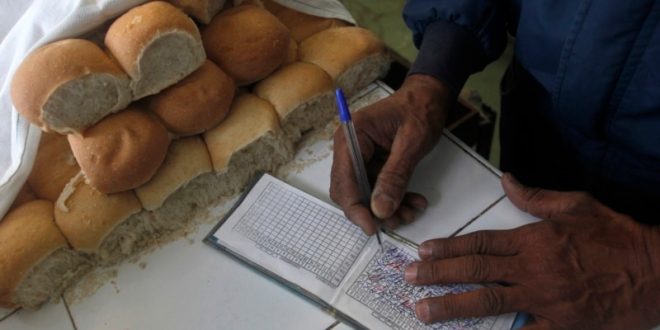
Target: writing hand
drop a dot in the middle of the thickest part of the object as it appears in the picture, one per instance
(394, 135)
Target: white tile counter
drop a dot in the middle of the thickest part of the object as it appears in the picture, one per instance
(4, 312)
(189, 285)
(503, 215)
(50, 316)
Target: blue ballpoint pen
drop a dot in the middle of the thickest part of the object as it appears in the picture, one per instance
(356, 155)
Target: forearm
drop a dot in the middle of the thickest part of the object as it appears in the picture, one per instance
(448, 53)
(455, 37)
(430, 98)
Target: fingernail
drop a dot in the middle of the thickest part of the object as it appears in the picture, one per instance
(423, 312)
(425, 251)
(383, 205)
(511, 178)
(410, 273)
(363, 220)
(420, 205)
(368, 231)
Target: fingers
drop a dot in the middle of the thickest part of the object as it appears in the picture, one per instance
(416, 201)
(393, 179)
(382, 126)
(493, 242)
(345, 192)
(412, 204)
(481, 302)
(467, 269)
(361, 217)
(344, 188)
(548, 204)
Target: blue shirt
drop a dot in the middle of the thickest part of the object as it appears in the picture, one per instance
(599, 62)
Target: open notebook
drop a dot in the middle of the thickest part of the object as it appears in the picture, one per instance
(309, 246)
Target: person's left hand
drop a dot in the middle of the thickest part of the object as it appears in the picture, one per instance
(584, 266)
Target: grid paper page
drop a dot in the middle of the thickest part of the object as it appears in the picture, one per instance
(302, 233)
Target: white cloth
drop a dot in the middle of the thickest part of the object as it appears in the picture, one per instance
(28, 24)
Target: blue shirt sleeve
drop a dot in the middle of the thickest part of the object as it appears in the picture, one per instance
(455, 37)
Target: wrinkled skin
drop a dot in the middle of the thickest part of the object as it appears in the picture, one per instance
(394, 135)
(584, 266)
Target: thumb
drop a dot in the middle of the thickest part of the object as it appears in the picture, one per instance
(538, 202)
(393, 179)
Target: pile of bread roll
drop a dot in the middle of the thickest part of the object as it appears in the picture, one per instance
(162, 119)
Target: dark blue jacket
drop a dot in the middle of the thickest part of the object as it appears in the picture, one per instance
(599, 62)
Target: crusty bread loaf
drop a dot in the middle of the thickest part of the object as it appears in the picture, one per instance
(180, 187)
(303, 25)
(237, 3)
(247, 42)
(292, 53)
(121, 152)
(302, 95)
(250, 140)
(53, 167)
(202, 10)
(89, 219)
(186, 159)
(354, 57)
(36, 263)
(157, 45)
(196, 103)
(271, 6)
(69, 85)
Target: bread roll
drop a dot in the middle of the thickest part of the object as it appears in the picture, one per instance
(237, 3)
(271, 6)
(302, 94)
(292, 53)
(196, 103)
(186, 159)
(104, 226)
(157, 45)
(352, 68)
(247, 42)
(36, 264)
(248, 141)
(180, 187)
(121, 152)
(69, 85)
(303, 25)
(24, 195)
(202, 10)
(53, 167)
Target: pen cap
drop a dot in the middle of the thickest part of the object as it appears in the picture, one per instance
(342, 107)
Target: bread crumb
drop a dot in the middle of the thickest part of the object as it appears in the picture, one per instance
(89, 284)
(99, 277)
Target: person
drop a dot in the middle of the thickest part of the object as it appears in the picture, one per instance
(580, 139)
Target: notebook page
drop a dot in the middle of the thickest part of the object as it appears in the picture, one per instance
(294, 235)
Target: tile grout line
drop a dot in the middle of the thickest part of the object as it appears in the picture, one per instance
(477, 216)
(68, 311)
(9, 315)
(334, 325)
